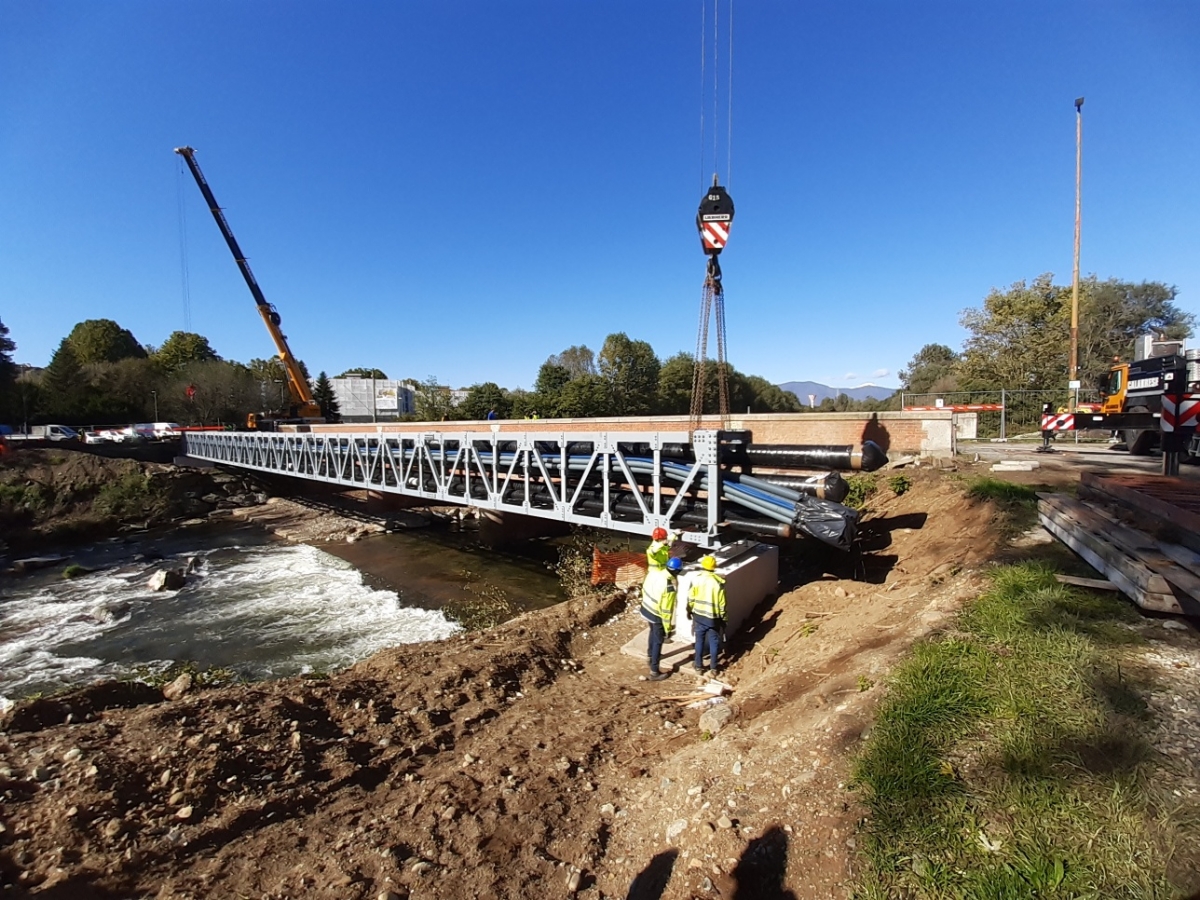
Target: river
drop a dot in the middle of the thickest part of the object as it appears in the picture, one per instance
(256, 605)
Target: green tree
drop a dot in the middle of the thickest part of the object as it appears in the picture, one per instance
(765, 397)
(8, 375)
(181, 348)
(1017, 338)
(585, 397)
(211, 392)
(578, 361)
(323, 394)
(525, 403)
(484, 398)
(103, 340)
(364, 373)
(547, 389)
(630, 370)
(121, 392)
(551, 379)
(932, 369)
(1021, 337)
(1113, 314)
(675, 385)
(64, 387)
(433, 401)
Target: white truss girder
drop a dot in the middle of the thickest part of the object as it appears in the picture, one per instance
(468, 468)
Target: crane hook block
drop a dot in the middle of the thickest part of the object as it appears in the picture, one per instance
(714, 219)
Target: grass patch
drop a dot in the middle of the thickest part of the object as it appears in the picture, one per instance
(984, 487)
(202, 676)
(35, 497)
(1017, 502)
(900, 484)
(862, 487)
(131, 496)
(1007, 760)
(487, 606)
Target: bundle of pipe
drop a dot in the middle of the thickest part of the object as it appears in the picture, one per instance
(759, 500)
(825, 486)
(865, 457)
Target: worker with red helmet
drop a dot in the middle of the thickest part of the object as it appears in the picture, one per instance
(660, 547)
(658, 609)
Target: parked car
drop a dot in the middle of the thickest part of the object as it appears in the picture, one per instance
(47, 433)
(158, 431)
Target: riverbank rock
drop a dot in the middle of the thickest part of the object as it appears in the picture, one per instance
(716, 718)
(178, 687)
(166, 580)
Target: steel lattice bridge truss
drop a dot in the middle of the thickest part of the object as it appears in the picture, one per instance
(618, 481)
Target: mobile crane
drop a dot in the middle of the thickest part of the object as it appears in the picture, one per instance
(1152, 401)
(304, 408)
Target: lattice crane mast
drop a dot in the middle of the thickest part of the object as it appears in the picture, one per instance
(303, 407)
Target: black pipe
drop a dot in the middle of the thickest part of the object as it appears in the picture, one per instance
(830, 486)
(865, 458)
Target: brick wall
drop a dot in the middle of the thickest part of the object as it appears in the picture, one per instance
(929, 434)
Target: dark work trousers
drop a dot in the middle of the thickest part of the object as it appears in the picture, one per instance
(708, 634)
(654, 645)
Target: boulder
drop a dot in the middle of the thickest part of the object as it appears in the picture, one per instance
(178, 687)
(166, 580)
(715, 718)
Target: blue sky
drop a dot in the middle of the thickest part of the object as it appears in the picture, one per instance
(461, 189)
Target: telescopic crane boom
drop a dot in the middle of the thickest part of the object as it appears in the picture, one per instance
(303, 404)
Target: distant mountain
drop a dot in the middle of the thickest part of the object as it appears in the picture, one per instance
(802, 389)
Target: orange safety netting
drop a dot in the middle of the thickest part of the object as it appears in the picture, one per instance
(624, 569)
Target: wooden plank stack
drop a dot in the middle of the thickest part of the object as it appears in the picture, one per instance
(1156, 574)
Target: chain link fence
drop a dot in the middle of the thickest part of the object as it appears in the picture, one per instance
(1001, 414)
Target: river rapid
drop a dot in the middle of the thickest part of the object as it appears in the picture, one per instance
(255, 605)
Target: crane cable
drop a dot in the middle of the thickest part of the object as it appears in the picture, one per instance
(712, 298)
(184, 275)
(705, 172)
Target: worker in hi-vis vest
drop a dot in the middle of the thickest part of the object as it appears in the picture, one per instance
(658, 608)
(659, 550)
(706, 609)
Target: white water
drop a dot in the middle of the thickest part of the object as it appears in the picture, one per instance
(264, 611)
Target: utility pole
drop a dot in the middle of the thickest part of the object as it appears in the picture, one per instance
(1075, 278)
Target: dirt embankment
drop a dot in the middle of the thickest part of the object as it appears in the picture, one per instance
(525, 761)
(60, 496)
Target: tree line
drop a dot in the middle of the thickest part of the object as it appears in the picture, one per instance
(1019, 339)
(101, 375)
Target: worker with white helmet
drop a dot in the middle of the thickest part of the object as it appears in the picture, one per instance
(706, 609)
(658, 608)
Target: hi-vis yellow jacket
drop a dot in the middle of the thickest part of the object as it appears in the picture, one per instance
(658, 596)
(658, 553)
(707, 596)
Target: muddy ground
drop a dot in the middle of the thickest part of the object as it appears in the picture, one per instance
(51, 498)
(525, 761)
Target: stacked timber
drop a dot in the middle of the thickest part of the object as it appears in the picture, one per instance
(1166, 507)
(1156, 574)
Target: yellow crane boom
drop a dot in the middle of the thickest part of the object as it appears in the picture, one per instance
(303, 405)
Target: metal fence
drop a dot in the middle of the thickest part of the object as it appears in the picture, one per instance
(1002, 414)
